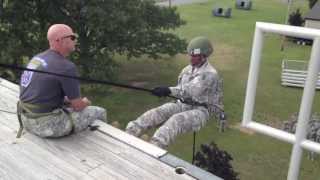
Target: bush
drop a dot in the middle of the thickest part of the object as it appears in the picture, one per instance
(295, 18)
(216, 161)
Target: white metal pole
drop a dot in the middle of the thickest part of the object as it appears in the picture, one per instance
(305, 110)
(253, 77)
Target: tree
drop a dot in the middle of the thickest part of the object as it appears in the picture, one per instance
(216, 161)
(295, 18)
(105, 28)
(312, 3)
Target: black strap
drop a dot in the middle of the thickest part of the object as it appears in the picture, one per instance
(192, 102)
(74, 77)
(19, 111)
(194, 147)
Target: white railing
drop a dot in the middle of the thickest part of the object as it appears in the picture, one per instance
(298, 140)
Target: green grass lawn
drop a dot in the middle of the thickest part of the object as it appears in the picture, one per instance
(256, 157)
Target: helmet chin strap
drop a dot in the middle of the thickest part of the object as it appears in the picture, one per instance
(203, 60)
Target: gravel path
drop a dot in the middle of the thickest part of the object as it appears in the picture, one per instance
(180, 2)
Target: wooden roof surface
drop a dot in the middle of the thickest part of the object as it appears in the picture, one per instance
(107, 153)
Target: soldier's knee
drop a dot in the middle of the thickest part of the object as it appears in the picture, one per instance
(158, 143)
(102, 114)
(179, 118)
(96, 112)
(133, 129)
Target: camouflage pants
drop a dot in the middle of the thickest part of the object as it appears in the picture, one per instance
(61, 123)
(177, 118)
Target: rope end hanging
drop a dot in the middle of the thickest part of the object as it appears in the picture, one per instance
(20, 120)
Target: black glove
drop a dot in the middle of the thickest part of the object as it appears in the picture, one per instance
(161, 91)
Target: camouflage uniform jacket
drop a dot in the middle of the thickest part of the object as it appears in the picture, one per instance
(201, 85)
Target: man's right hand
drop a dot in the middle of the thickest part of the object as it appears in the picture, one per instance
(80, 103)
(86, 100)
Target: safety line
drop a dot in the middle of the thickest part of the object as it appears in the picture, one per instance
(8, 66)
(74, 77)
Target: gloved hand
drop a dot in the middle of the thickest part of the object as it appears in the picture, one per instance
(161, 91)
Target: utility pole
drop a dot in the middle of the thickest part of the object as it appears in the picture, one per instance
(286, 22)
(169, 3)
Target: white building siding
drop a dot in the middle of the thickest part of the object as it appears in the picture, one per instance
(312, 24)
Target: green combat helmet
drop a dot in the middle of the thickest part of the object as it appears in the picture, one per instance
(200, 45)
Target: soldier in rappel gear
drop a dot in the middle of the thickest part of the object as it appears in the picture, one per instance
(199, 89)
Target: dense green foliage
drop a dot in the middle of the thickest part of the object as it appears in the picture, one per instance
(105, 28)
(295, 18)
(216, 161)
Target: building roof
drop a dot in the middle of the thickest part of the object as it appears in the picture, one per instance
(107, 153)
(314, 13)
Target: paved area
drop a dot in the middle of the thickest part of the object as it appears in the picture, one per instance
(180, 2)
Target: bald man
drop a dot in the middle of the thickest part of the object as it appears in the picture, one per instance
(43, 98)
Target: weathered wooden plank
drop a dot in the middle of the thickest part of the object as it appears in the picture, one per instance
(7, 135)
(5, 83)
(100, 173)
(117, 164)
(126, 161)
(76, 155)
(9, 91)
(131, 140)
(86, 156)
(9, 96)
(9, 120)
(15, 160)
(79, 162)
(28, 161)
(7, 103)
(134, 155)
(69, 148)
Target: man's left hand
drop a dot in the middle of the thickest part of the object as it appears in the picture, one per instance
(161, 91)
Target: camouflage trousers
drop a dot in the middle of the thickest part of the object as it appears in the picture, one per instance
(177, 118)
(60, 122)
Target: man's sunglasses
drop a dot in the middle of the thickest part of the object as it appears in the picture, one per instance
(72, 37)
